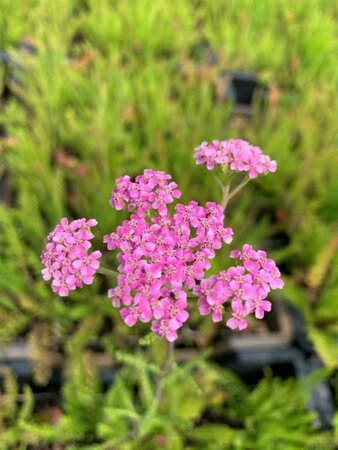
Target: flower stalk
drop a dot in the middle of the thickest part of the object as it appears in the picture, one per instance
(106, 271)
(168, 361)
(225, 196)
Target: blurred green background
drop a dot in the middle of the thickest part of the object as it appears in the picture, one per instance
(116, 86)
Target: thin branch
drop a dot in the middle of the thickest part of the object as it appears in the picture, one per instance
(165, 369)
(225, 196)
(218, 181)
(238, 188)
(133, 434)
(106, 271)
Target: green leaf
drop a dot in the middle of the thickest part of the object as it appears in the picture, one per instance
(326, 344)
(216, 433)
(27, 406)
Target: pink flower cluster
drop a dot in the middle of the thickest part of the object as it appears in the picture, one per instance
(151, 190)
(164, 255)
(237, 154)
(246, 287)
(161, 258)
(66, 258)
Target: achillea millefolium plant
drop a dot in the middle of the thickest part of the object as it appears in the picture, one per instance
(163, 257)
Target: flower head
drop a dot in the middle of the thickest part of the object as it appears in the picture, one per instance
(235, 154)
(246, 285)
(66, 258)
(151, 190)
(162, 256)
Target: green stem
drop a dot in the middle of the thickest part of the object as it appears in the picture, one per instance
(225, 196)
(218, 181)
(106, 271)
(134, 433)
(238, 188)
(169, 355)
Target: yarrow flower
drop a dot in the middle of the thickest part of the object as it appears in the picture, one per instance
(149, 190)
(164, 251)
(245, 287)
(237, 155)
(66, 258)
(163, 257)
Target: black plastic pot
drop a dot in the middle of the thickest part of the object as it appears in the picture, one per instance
(16, 356)
(280, 345)
(283, 348)
(286, 351)
(279, 331)
(243, 90)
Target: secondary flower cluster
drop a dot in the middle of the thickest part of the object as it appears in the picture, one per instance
(161, 258)
(246, 286)
(237, 154)
(66, 258)
(151, 190)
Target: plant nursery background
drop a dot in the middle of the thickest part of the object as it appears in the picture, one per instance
(91, 90)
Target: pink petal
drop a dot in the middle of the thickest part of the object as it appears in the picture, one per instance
(232, 323)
